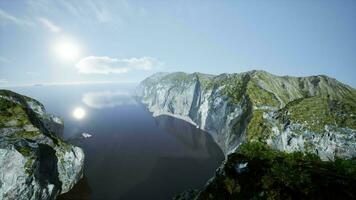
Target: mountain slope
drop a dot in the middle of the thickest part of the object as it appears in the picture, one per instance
(315, 114)
(34, 162)
(284, 137)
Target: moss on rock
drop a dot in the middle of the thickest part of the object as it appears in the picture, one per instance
(25, 127)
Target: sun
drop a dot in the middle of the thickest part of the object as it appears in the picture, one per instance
(67, 49)
(78, 113)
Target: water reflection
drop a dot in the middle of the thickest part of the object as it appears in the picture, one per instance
(155, 165)
(107, 99)
(81, 191)
(78, 113)
(174, 174)
(131, 155)
(197, 142)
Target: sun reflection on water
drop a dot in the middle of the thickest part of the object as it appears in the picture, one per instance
(79, 113)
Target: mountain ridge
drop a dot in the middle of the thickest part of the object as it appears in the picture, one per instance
(255, 97)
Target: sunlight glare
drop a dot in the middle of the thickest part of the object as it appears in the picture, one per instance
(78, 113)
(67, 50)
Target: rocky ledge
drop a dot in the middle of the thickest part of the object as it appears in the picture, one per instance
(34, 162)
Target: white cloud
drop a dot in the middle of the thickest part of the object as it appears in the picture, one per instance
(6, 18)
(49, 25)
(107, 99)
(106, 65)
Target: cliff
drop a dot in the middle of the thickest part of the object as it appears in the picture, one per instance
(34, 162)
(283, 137)
(315, 114)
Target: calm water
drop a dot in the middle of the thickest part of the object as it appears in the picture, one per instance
(131, 155)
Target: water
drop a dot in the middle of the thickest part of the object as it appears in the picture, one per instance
(131, 155)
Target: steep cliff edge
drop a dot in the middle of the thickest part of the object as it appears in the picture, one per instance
(284, 137)
(315, 114)
(34, 162)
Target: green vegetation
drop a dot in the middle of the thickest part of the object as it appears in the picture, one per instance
(11, 111)
(25, 151)
(313, 102)
(28, 166)
(257, 128)
(344, 112)
(205, 80)
(286, 88)
(236, 88)
(177, 78)
(271, 174)
(243, 120)
(28, 153)
(26, 129)
(24, 124)
(64, 145)
(14, 115)
(316, 112)
(261, 97)
(28, 134)
(188, 194)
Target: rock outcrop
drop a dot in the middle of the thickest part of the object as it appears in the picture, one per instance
(283, 137)
(315, 114)
(34, 162)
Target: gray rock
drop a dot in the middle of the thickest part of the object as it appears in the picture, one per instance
(230, 108)
(34, 162)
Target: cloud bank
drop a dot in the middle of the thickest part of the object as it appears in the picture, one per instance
(107, 65)
(107, 99)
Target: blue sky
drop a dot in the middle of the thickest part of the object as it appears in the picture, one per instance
(93, 41)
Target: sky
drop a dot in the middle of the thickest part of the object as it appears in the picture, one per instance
(71, 41)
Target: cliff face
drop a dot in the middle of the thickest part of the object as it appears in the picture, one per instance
(34, 162)
(315, 114)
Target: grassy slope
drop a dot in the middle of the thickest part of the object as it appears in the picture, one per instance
(314, 101)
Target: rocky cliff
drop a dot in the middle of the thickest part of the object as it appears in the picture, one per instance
(34, 162)
(315, 114)
(284, 137)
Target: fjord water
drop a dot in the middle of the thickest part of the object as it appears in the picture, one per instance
(131, 155)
